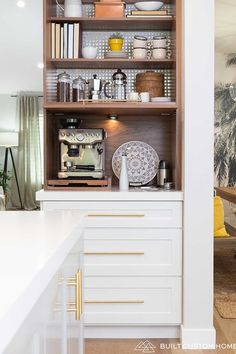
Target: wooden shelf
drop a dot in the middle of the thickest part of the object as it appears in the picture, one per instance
(112, 63)
(130, 24)
(124, 108)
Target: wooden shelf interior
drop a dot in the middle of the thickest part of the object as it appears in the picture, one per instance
(158, 131)
(106, 75)
(53, 11)
(104, 63)
(124, 108)
(157, 124)
(104, 24)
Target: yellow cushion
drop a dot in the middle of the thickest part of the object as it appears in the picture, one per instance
(219, 226)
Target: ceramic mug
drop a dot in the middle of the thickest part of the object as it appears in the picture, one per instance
(140, 42)
(140, 53)
(134, 96)
(161, 53)
(145, 97)
(160, 42)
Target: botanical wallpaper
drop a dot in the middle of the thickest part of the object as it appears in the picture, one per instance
(225, 131)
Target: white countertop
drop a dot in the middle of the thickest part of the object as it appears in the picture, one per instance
(33, 245)
(113, 195)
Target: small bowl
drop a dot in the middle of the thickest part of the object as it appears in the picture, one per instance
(89, 52)
(148, 5)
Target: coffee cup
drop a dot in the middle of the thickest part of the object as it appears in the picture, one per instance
(161, 53)
(145, 97)
(134, 96)
(140, 42)
(160, 42)
(140, 53)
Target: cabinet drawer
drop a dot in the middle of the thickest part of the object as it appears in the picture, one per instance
(141, 252)
(132, 301)
(145, 214)
(121, 213)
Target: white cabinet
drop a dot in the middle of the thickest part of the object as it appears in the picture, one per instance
(133, 300)
(132, 262)
(133, 266)
(55, 323)
(133, 251)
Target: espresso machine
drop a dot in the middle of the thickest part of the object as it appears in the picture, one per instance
(82, 153)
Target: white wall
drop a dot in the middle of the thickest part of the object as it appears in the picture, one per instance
(21, 43)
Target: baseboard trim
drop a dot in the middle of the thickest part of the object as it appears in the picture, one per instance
(200, 338)
(125, 332)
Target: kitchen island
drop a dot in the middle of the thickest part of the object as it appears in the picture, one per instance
(33, 246)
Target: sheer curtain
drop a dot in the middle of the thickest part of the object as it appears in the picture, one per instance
(28, 162)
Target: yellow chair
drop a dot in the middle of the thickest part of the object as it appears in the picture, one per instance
(219, 226)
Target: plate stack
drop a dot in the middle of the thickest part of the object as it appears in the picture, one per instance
(149, 9)
(115, 54)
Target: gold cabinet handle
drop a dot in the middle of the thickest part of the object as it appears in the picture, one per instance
(117, 215)
(113, 253)
(78, 295)
(114, 302)
(77, 305)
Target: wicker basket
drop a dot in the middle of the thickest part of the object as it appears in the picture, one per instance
(151, 82)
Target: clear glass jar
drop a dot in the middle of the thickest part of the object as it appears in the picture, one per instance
(63, 87)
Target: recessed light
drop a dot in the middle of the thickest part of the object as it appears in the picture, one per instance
(40, 65)
(20, 3)
(113, 116)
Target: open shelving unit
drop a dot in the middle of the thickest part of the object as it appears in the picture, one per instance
(158, 124)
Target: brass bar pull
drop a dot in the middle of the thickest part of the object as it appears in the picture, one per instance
(117, 215)
(78, 295)
(114, 253)
(77, 305)
(114, 302)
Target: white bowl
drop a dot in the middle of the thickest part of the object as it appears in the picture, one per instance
(149, 5)
(89, 52)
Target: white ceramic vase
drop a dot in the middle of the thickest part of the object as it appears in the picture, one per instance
(124, 178)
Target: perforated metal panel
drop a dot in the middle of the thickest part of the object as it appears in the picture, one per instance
(100, 40)
(88, 9)
(106, 75)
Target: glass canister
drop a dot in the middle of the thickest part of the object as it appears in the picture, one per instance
(79, 89)
(63, 87)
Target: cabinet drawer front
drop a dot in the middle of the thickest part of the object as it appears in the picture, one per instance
(145, 214)
(133, 301)
(122, 214)
(133, 252)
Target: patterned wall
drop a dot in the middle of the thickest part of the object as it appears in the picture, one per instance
(225, 125)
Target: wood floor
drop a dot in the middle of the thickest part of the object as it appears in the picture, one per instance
(225, 329)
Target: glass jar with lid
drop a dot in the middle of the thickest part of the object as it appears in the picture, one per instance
(63, 87)
(79, 89)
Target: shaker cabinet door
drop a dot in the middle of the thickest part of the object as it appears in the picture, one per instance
(69, 304)
(55, 324)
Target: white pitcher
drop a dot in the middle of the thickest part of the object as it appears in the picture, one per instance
(72, 8)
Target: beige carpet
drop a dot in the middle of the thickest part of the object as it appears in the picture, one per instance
(225, 277)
